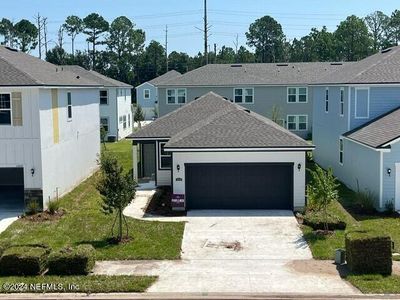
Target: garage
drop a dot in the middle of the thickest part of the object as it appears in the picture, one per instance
(239, 186)
(11, 192)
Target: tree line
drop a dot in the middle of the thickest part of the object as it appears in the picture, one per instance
(118, 50)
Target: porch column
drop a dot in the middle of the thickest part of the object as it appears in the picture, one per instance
(135, 161)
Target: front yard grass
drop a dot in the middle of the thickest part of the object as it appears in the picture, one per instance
(76, 284)
(84, 223)
(376, 284)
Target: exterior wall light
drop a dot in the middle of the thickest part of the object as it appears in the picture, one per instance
(33, 171)
(389, 171)
(299, 167)
(178, 167)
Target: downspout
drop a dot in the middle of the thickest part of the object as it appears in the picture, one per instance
(116, 109)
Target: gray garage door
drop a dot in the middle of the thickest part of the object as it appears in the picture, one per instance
(11, 192)
(239, 186)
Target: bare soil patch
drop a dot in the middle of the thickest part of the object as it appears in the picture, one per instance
(160, 204)
(44, 216)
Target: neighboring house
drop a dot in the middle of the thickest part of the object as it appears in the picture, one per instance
(115, 103)
(356, 126)
(49, 127)
(258, 87)
(217, 155)
(147, 94)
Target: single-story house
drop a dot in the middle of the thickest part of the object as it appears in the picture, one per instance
(218, 155)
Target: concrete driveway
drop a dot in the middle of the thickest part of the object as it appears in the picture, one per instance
(11, 206)
(239, 252)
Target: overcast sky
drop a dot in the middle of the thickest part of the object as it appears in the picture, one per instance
(228, 18)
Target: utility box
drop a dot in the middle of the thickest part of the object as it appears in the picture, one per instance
(340, 256)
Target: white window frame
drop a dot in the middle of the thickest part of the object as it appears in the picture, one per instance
(326, 102)
(297, 123)
(6, 109)
(341, 151)
(69, 105)
(355, 102)
(341, 102)
(108, 123)
(297, 95)
(176, 91)
(243, 95)
(144, 94)
(104, 90)
(160, 155)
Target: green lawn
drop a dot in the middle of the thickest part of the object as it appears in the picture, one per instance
(85, 223)
(76, 284)
(376, 284)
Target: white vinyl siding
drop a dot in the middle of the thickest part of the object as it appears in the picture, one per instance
(297, 95)
(5, 109)
(243, 95)
(297, 122)
(362, 103)
(176, 96)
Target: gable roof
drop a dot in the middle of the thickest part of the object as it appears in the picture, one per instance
(165, 77)
(21, 69)
(382, 67)
(379, 131)
(255, 74)
(213, 122)
(95, 76)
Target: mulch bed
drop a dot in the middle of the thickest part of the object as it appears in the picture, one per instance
(44, 216)
(160, 204)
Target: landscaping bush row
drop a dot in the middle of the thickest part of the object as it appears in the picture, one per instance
(368, 252)
(26, 260)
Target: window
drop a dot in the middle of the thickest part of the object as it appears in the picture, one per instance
(341, 102)
(104, 97)
(244, 95)
(5, 109)
(104, 123)
(362, 103)
(124, 122)
(297, 95)
(176, 96)
(341, 151)
(146, 94)
(327, 100)
(165, 157)
(129, 121)
(69, 106)
(297, 122)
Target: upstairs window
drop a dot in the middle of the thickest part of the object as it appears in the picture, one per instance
(165, 157)
(69, 106)
(327, 100)
(5, 109)
(104, 97)
(244, 95)
(341, 108)
(146, 94)
(176, 96)
(297, 95)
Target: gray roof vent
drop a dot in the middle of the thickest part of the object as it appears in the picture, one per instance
(386, 50)
(236, 66)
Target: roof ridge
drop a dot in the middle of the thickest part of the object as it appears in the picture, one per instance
(22, 71)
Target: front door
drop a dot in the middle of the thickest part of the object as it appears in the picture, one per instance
(397, 187)
(149, 160)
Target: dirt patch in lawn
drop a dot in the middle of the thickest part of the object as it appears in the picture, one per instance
(160, 204)
(317, 267)
(44, 216)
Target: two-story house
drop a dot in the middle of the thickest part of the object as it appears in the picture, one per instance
(147, 94)
(356, 125)
(49, 129)
(280, 91)
(115, 103)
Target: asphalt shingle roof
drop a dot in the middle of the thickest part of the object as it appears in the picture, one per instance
(95, 76)
(165, 77)
(379, 131)
(255, 74)
(21, 69)
(383, 67)
(213, 122)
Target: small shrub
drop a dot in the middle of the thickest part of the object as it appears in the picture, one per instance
(72, 261)
(368, 252)
(389, 207)
(3, 247)
(32, 207)
(53, 207)
(24, 260)
(365, 201)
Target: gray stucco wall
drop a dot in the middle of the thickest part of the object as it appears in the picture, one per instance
(265, 97)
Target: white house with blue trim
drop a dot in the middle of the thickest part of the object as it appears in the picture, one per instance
(356, 125)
